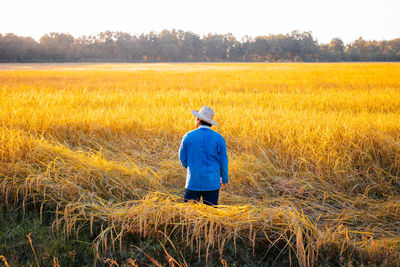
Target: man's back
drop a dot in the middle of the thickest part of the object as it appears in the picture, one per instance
(203, 153)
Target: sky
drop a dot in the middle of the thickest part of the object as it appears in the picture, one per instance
(345, 19)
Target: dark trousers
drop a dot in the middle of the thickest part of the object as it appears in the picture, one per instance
(209, 197)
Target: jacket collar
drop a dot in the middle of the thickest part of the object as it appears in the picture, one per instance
(205, 127)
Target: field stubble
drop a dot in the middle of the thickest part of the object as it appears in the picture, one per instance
(314, 154)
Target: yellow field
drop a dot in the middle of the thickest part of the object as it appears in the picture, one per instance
(314, 153)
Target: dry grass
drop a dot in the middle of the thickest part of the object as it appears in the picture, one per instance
(3, 259)
(314, 153)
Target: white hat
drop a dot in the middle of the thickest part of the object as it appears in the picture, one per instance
(206, 114)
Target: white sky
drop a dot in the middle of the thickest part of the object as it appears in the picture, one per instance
(346, 19)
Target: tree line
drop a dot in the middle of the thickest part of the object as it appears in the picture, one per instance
(181, 46)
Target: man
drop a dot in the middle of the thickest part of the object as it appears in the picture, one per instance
(203, 153)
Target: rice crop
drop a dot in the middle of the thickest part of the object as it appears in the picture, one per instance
(314, 155)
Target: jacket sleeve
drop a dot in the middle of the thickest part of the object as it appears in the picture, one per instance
(183, 152)
(223, 161)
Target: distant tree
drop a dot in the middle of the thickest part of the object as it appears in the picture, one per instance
(336, 50)
(14, 48)
(170, 45)
(215, 47)
(124, 46)
(336, 45)
(260, 48)
(305, 48)
(281, 48)
(247, 48)
(192, 47)
(356, 51)
(325, 54)
(57, 46)
(177, 45)
(391, 50)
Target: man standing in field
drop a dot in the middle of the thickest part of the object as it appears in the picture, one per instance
(203, 153)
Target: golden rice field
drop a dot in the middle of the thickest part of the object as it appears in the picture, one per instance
(314, 159)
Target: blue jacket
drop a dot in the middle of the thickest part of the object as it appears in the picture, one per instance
(203, 153)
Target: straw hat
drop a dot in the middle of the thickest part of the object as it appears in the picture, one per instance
(206, 114)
